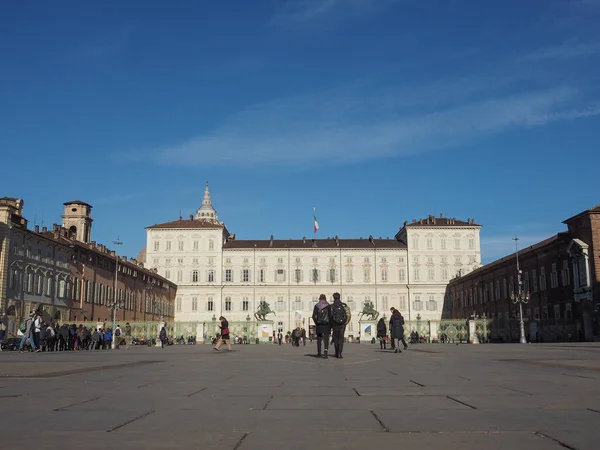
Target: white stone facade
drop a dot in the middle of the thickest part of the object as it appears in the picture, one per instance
(218, 275)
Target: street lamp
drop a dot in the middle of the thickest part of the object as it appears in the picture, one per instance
(116, 303)
(520, 296)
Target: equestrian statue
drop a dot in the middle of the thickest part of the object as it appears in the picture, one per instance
(368, 310)
(263, 311)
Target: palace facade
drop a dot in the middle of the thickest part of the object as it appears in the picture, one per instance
(217, 274)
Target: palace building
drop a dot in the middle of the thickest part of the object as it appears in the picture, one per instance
(217, 274)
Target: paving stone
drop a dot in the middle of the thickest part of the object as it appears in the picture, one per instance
(432, 396)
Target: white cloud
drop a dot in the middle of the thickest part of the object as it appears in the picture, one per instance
(326, 14)
(567, 50)
(353, 125)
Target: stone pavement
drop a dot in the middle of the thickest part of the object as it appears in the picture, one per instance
(265, 397)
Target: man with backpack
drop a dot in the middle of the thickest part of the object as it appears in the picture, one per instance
(339, 319)
(321, 316)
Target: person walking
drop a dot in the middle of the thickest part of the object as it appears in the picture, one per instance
(339, 319)
(279, 338)
(118, 337)
(37, 329)
(397, 330)
(382, 333)
(224, 334)
(127, 334)
(163, 337)
(28, 331)
(303, 335)
(95, 340)
(2, 329)
(108, 337)
(321, 316)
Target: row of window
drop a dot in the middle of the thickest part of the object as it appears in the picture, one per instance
(502, 289)
(37, 283)
(558, 311)
(168, 245)
(427, 302)
(415, 241)
(314, 275)
(39, 255)
(458, 259)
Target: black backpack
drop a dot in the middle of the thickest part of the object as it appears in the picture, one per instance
(338, 313)
(322, 316)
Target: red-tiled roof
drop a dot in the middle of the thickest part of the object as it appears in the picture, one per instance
(307, 244)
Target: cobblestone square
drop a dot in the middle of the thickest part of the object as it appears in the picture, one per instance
(267, 396)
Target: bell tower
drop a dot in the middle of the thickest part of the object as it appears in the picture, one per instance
(77, 219)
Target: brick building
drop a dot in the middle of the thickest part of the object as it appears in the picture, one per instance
(70, 278)
(561, 275)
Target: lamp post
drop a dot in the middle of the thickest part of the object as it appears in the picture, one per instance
(520, 297)
(116, 303)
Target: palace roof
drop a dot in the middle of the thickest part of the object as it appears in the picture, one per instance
(308, 244)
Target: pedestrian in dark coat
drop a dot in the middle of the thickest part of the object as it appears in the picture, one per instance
(397, 330)
(322, 318)
(382, 333)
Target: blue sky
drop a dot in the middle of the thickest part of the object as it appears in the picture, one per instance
(372, 111)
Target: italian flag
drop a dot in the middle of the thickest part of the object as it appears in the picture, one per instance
(315, 224)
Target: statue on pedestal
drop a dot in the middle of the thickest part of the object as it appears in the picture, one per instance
(368, 310)
(263, 310)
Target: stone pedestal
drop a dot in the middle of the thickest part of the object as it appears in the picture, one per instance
(367, 330)
(265, 330)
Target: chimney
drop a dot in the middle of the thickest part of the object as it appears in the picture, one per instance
(337, 241)
(271, 241)
(44, 229)
(37, 228)
(421, 221)
(304, 239)
(191, 217)
(112, 253)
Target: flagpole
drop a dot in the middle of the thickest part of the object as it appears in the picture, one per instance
(314, 231)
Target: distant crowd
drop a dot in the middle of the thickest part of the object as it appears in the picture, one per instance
(44, 337)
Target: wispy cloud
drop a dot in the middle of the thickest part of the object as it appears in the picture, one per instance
(326, 14)
(352, 126)
(567, 50)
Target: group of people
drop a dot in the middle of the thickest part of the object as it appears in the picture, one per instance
(45, 337)
(295, 337)
(330, 319)
(396, 327)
